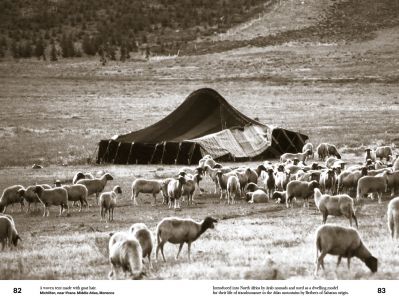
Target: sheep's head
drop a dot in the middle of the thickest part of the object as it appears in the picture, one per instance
(182, 173)
(250, 187)
(248, 196)
(38, 189)
(372, 263)
(219, 173)
(79, 176)
(313, 184)
(261, 168)
(217, 166)
(182, 180)
(57, 183)
(117, 189)
(15, 239)
(199, 170)
(209, 222)
(108, 176)
(280, 168)
(21, 192)
(296, 161)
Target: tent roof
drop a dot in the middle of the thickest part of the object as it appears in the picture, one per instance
(203, 112)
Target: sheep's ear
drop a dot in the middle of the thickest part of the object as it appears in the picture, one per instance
(111, 234)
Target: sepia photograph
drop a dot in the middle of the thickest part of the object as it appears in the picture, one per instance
(200, 140)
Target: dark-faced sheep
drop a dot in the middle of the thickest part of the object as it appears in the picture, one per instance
(300, 189)
(342, 242)
(175, 190)
(30, 196)
(8, 232)
(179, 231)
(57, 196)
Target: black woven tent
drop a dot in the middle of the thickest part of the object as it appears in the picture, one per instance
(205, 123)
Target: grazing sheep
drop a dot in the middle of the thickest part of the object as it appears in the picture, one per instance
(10, 196)
(233, 188)
(144, 236)
(328, 181)
(175, 189)
(322, 151)
(332, 151)
(30, 196)
(8, 232)
(77, 193)
(280, 197)
(308, 146)
(146, 186)
(348, 180)
(97, 185)
(125, 253)
(383, 152)
(344, 242)
(370, 155)
(393, 217)
(300, 189)
(189, 188)
(108, 202)
(81, 175)
(258, 196)
(179, 231)
(372, 184)
(340, 205)
(299, 156)
(54, 196)
(270, 182)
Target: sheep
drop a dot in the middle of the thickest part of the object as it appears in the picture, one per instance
(393, 181)
(322, 151)
(54, 196)
(222, 181)
(311, 175)
(164, 189)
(8, 232)
(77, 192)
(339, 205)
(233, 187)
(344, 242)
(10, 196)
(192, 172)
(125, 253)
(141, 232)
(146, 186)
(393, 217)
(258, 196)
(97, 185)
(258, 171)
(108, 202)
(179, 231)
(81, 175)
(372, 184)
(370, 154)
(175, 189)
(383, 152)
(300, 156)
(308, 146)
(280, 197)
(212, 174)
(189, 188)
(270, 182)
(300, 189)
(206, 160)
(348, 180)
(395, 166)
(252, 187)
(332, 151)
(332, 162)
(282, 179)
(328, 181)
(29, 195)
(243, 176)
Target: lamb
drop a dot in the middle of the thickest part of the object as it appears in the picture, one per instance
(146, 186)
(300, 156)
(189, 188)
(280, 197)
(282, 179)
(8, 232)
(258, 196)
(54, 196)
(125, 253)
(108, 202)
(270, 182)
(393, 217)
(81, 175)
(308, 146)
(370, 154)
(29, 195)
(179, 231)
(233, 187)
(97, 185)
(175, 189)
(300, 189)
(328, 181)
(372, 184)
(344, 242)
(340, 205)
(77, 192)
(144, 236)
(383, 152)
(10, 196)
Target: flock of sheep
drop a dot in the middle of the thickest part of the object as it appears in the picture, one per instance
(335, 187)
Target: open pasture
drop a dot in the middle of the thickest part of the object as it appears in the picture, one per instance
(258, 241)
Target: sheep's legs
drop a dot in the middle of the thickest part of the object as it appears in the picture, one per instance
(134, 196)
(189, 251)
(320, 261)
(339, 260)
(178, 252)
(160, 247)
(155, 200)
(379, 198)
(325, 218)
(349, 263)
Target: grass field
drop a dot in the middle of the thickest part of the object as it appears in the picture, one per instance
(54, 114)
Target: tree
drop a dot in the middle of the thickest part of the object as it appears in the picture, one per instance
(88, 45)
(40, 48)
(53, 52)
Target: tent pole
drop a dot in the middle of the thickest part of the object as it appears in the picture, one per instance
(178, 152)
(289, 140)
(192, 153)
(153, 153)
(116, 154)
(106, 150)
(163, 152)
(130, 153)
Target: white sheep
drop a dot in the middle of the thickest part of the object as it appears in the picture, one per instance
(282, 179)
(252, 187)
(393, 217)
(339, 205)
(343, 242)
(308, 146)
(212, 173)
(189, 188)
(125, 253)
(108, 202)
(146, 186)
(8, 232)
(175, 189)
(30, 196)
(10, 196)
(348, 180)
(302, 156)
(97, 185)
(300, 189)
(145, 238)
(257, 196)
(54, 196)
(328, 181)
(179, 231)
(77, 193)
(233, 188)
(392, 181)
(372, 184)
(322, 151)
(383, 152)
